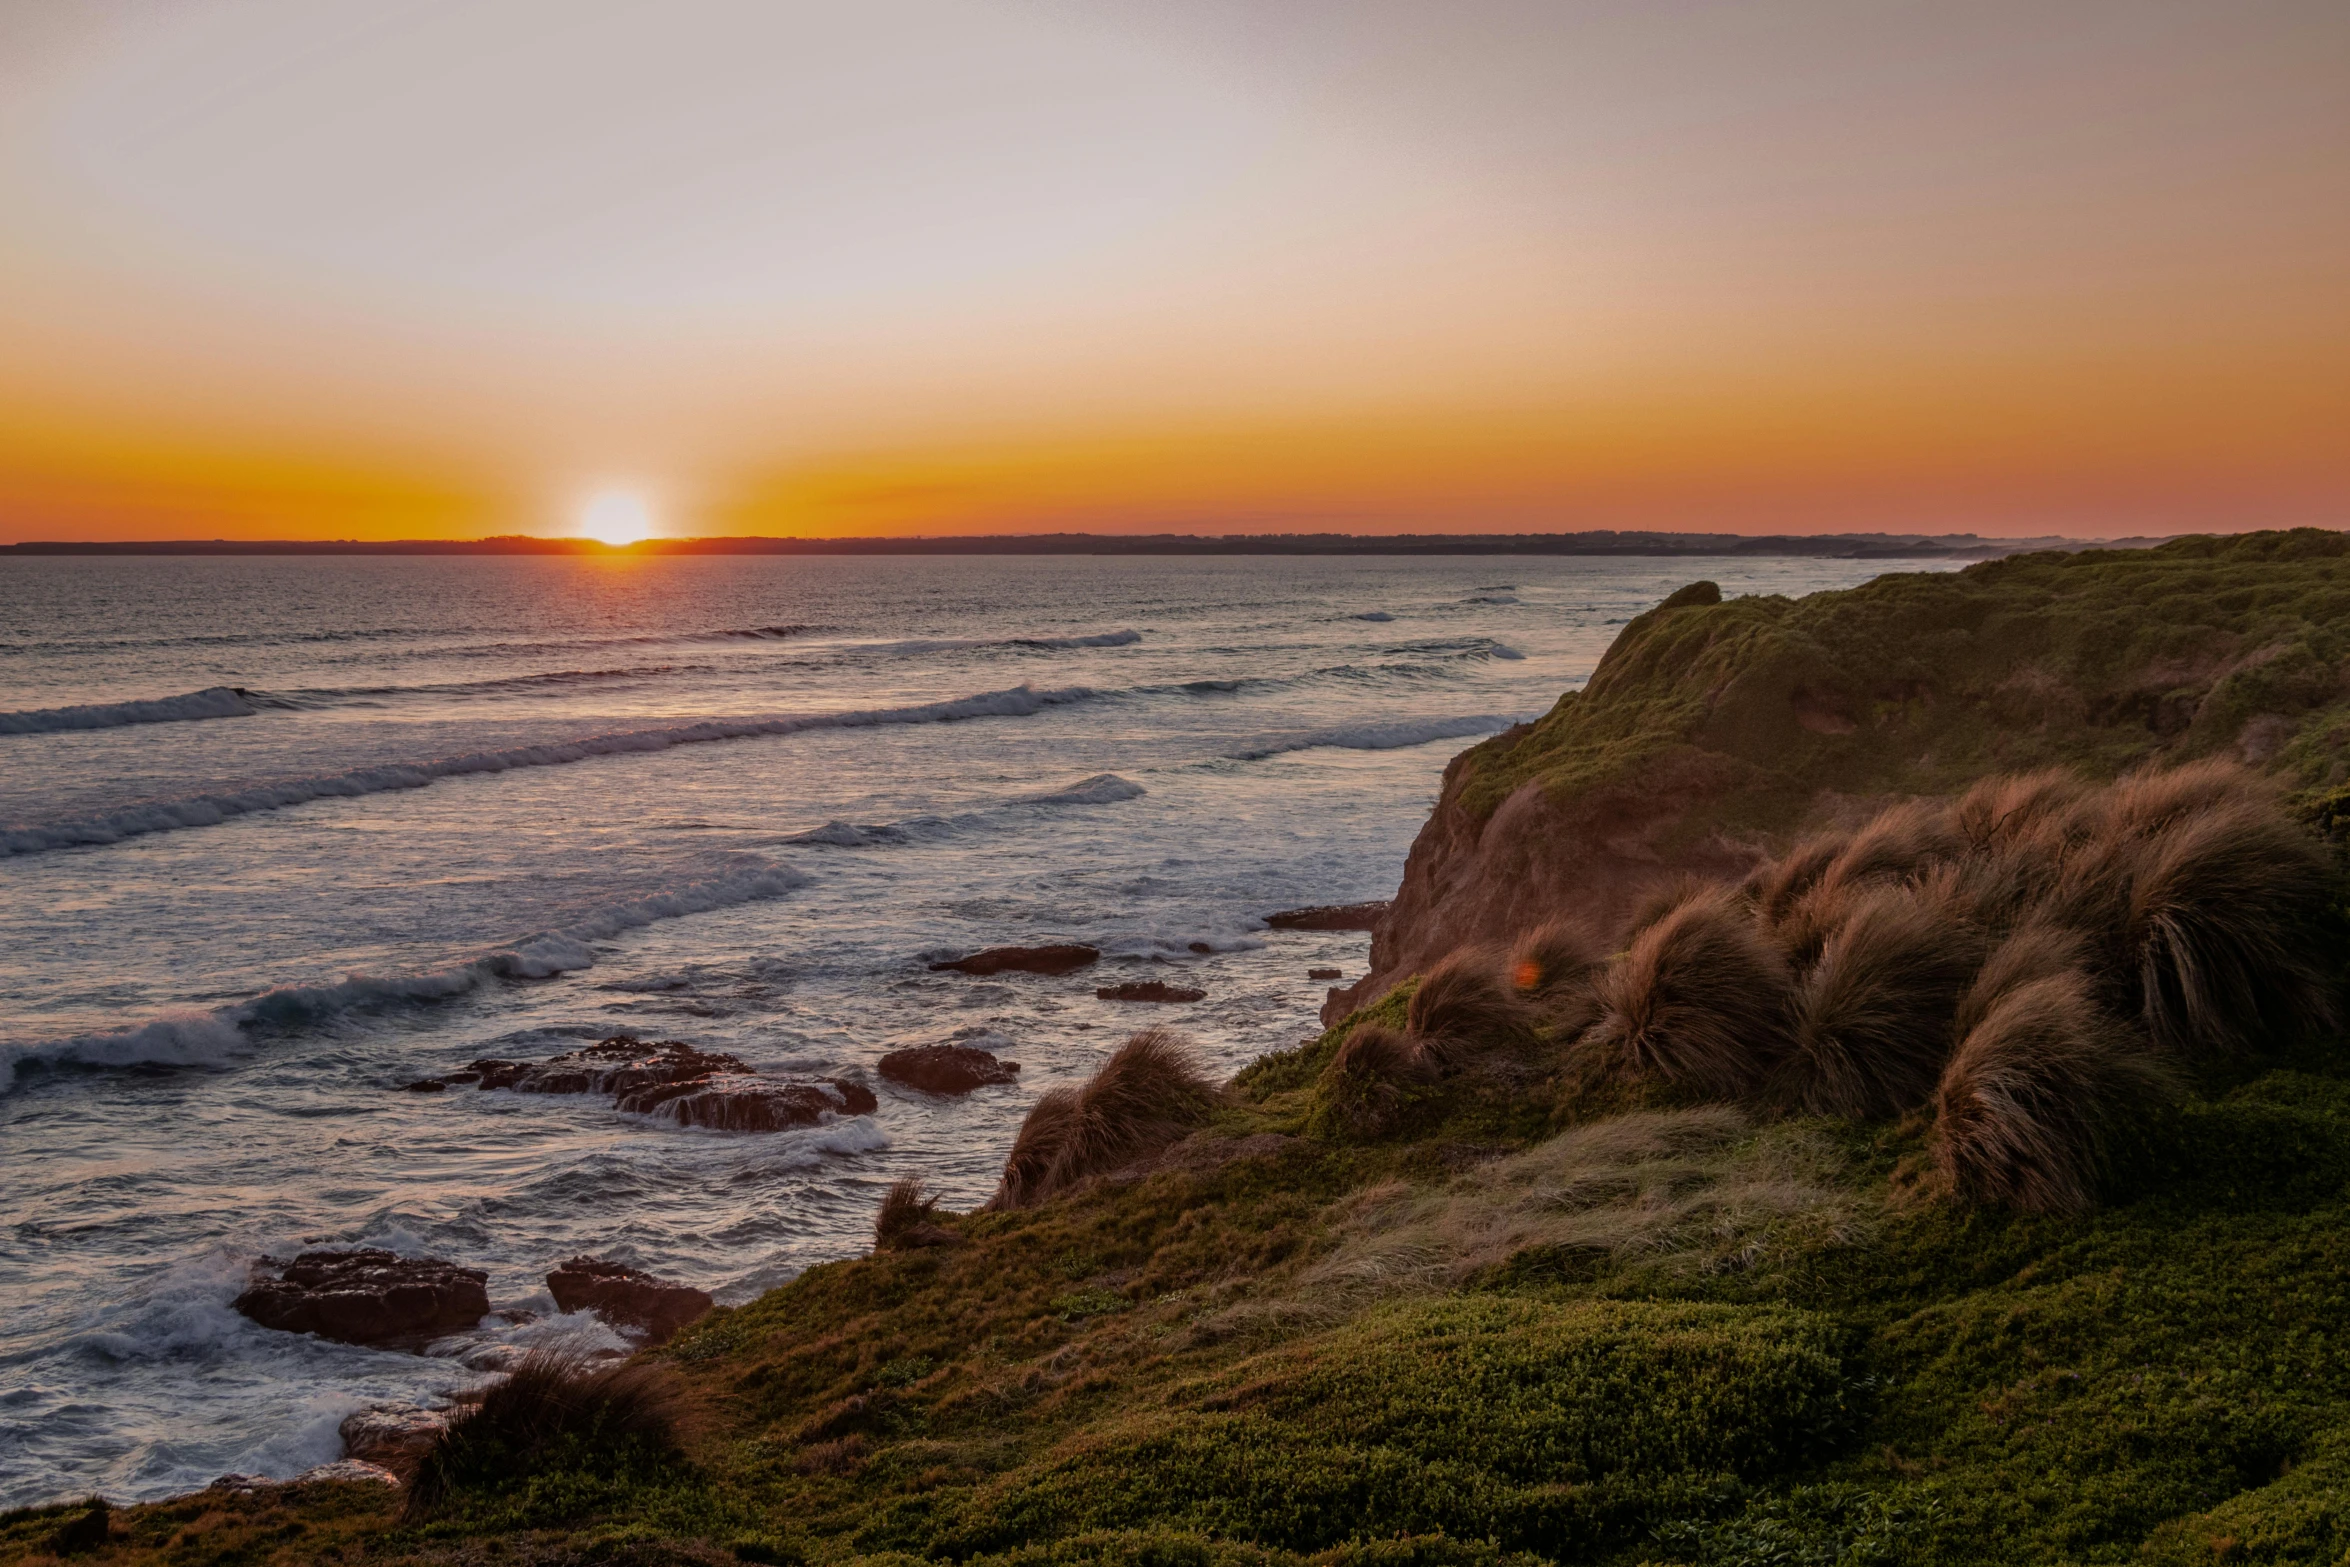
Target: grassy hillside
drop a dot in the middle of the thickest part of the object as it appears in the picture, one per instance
(1537, 1267)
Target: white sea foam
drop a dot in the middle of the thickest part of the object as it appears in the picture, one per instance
(194, 1038)
(212, 809)
(1389, 736)
(211, 702)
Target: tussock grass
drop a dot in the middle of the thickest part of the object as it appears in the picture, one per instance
(1871, 1018)
(1776, 886)
(1697, 1002)
(556, 1419)
(2032, 1095)
(1552, 970)
(1465, 1007)
(908, 1218)
(1149, 1093)
(1370, 1082)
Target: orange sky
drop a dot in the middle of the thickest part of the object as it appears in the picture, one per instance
(324, 268)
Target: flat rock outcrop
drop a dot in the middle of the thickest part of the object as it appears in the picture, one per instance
(1066, 958)
(674, 1082)
(366, 1297)
(1149, 990)
(1329, 916)
(627, 1297)
(946, 1069)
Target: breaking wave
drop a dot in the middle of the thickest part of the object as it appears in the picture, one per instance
(200, 1038)
(212, 809)
(1100, 789)
(211, 702)
(1392, 736)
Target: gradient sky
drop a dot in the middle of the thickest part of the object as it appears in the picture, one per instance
(364, 268)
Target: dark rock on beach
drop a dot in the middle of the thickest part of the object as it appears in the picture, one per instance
(1329, 916)
(627, 1297)
(747, 1102)
(946, 1069)
(1063, 959)
(366, 1297)
(1149, 990)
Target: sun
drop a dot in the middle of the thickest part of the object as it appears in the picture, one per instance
(616, 517)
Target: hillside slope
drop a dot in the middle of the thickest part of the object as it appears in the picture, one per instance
(1711, 729)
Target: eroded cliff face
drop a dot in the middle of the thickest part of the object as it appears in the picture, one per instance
(1713, 731)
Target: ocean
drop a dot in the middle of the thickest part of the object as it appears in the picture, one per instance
(279, 836)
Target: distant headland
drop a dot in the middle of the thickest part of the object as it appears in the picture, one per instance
(1853, 546)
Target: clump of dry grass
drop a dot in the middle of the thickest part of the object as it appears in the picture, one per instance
(555, 1410)
(1370, 1081)
(2028, 1103)
(1776, 886)
(908, 1218)
(1147, 1095)
(1465, 1007)
(1698, 1001)
(1871, 1018)
(1898, 843)
(1552, 970)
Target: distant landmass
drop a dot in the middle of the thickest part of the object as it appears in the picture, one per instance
(1848, 546)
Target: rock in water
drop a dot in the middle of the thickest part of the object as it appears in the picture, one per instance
(1149, 990)
(746, 1102)
(946, 1069)
(1065, 959)
(1329, 916)
(627, 1297)
(1325, 973)
(617, 1065)
(366, 1297)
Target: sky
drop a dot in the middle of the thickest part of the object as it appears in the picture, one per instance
(399, 269)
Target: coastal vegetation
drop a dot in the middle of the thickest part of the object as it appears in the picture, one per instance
(1932, 1146)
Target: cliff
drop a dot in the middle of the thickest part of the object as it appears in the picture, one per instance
(1713, 729)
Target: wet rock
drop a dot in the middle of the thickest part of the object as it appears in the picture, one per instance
(627, 1297)
(946, 1069)
(393, 1436)
(1063, 959)
(1329, 916)
(1325, 973)
(618, 1065)
(747, 1102)
(346, 1470)
(366, 1297)
(428, 1085)
(1149, 990)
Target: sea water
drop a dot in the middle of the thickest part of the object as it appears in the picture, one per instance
(279, 836)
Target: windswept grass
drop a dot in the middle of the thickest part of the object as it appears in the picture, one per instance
(1149, 1093)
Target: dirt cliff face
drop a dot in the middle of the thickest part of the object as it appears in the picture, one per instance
(1712, 730)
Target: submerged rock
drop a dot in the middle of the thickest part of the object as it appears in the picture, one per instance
(946, 1069)
(1149, 990)
(366, 1297)
(1329, 916)
(627, 1297)
(747, 1102)
(1062, 959)
(1325, 973)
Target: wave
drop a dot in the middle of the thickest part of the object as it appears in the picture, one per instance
(1503, 650)
(201, 1038)
(1100, 789)
(1379, 615)
(310, 697)
(211, 702)
(211, 809)
(959, 644)
(1391, 736)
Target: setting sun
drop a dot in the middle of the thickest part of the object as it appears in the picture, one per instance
(616, 517)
